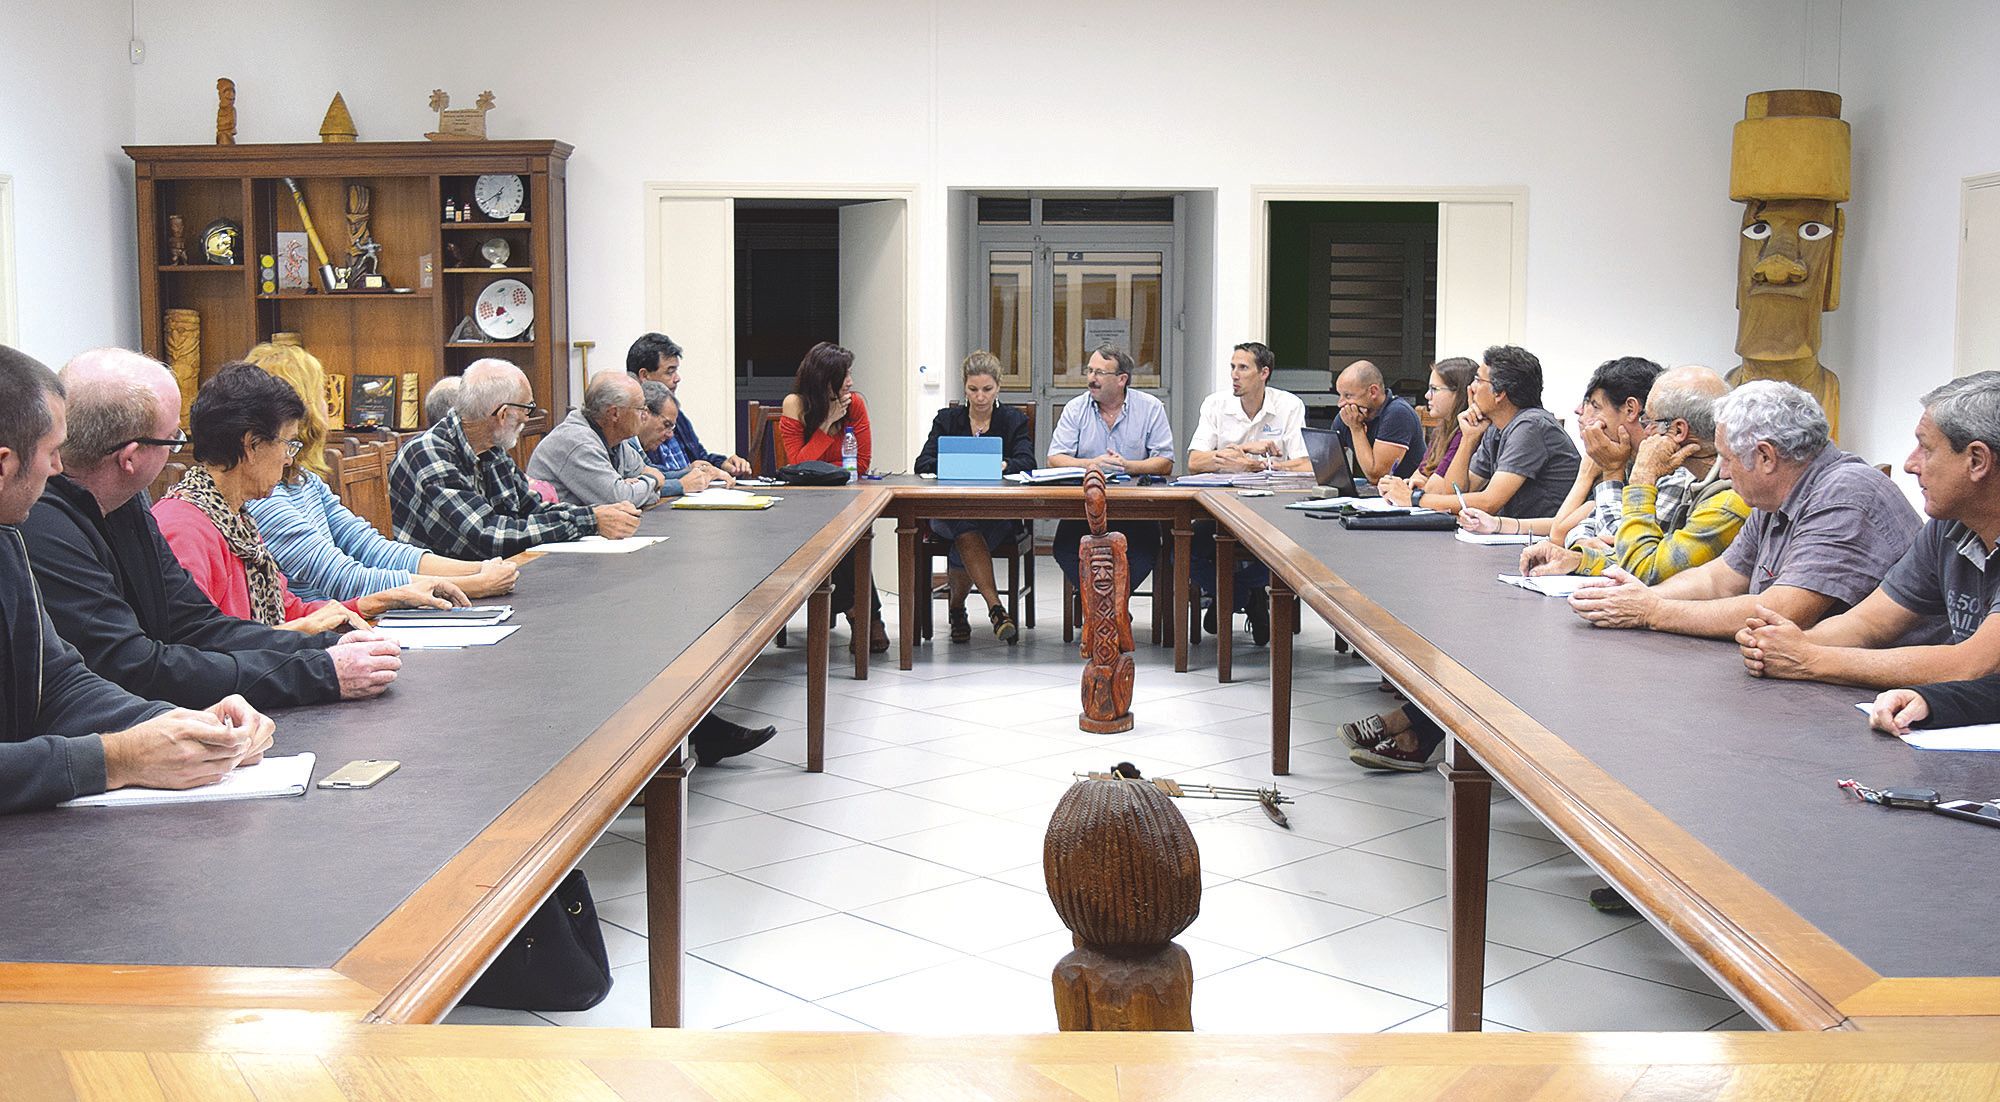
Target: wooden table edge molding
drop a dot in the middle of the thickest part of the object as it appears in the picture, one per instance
(1789, 973)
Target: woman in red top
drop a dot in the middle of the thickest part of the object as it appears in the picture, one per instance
(244, 430)
(813, 424)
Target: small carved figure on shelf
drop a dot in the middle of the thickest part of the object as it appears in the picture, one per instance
(338, 125)
(225, 112)
(1107, 625)
(177, 246)
(363, 251)
(408, 402)
(463, 124)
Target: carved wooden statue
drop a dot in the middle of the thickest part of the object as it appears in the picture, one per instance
(461, 124)
(183, 340)
(1789, 167)
(409, 402)
(363, 254)
(1125, 875)
(336, 398)
(177, 246)
(1107, 626)
(225, 112)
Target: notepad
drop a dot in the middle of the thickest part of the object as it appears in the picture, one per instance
(446, 638)
(476, 616)
(1355, 504)
(598, 545)
(1050, 474)
(1553, 585)
(1977, 736)
(1494, 539)
(722, 497)
(268, 779)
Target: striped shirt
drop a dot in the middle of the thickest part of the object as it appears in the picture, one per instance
(326, 552)
(467, 506)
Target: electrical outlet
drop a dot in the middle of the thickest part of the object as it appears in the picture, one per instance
(138, 48)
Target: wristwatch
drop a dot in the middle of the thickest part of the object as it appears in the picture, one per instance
(1416, 498)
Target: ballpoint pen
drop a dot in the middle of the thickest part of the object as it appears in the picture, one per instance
(1461, 496)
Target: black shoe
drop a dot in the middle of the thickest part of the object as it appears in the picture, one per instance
(1259, 615)
(1610, 902)
(716, 738)
(1208, 615)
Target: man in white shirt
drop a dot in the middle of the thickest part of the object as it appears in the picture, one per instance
(1254, 427)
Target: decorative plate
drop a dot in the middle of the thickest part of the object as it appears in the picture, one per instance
(505, 310)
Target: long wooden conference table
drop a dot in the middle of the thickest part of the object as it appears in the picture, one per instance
(1707, 798)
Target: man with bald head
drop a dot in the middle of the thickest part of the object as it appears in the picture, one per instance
(585, 457)
(118, 594)
(1677, 510)
(1383, 431)
(455, 489)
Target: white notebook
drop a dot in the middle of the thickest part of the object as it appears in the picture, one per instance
(1978, 736)
(598, 545)
(446, 638)
(265, 780)
(1553, 585)
(1493, 539)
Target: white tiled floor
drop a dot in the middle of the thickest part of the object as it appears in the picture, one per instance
(902, 889)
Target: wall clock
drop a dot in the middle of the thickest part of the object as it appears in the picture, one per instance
(499, 195)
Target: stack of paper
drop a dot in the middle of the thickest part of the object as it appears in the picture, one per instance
(1553, 585)
(473, 617)
(722, 497)
(1251, 480)
(598, 545)
(1049, 474)
(1978, 736)
(1355, 504)
(1494, 539)
(262, 781)
(445, 638)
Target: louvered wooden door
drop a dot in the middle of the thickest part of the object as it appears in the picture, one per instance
(1373, 296)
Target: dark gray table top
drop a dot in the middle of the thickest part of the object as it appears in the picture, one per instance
(1746, 766)
(298, 882)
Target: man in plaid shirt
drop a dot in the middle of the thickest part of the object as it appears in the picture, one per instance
(456, 491)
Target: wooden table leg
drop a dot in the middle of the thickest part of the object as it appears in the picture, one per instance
(1283, 612)
(666, 829)
(906, 588)
(862, 616)
(819, 639)
(1183, 608)
(1225, 603)
(1468, 815)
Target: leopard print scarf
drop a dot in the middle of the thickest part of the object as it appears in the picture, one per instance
(267, 600)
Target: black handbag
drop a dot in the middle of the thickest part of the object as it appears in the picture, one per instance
(812, 472)
(556, 962)
(1407, 522)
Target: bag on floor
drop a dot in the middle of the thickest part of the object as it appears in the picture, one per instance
(812, 472)
(556, 962)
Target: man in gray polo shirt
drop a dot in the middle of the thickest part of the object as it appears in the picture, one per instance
(1929, 619)
(1824, 528)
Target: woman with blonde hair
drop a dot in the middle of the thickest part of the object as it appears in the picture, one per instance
(970, 560)
(325, 551)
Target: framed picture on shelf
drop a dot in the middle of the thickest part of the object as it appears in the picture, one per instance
(294, 270)
(372, 403)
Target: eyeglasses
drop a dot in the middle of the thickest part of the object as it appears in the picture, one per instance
(1657, 424)
(173, 446)
(1097, 373)
(528, 409)
(292, 447)
(1435, 389)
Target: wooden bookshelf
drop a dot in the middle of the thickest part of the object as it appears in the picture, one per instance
(357, 332)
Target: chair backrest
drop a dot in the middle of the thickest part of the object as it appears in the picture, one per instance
(169, 474)
(361, 478)
(767, 450)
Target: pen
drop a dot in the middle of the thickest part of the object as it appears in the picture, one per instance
(1461, 496)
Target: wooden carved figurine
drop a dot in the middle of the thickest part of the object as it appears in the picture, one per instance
(363, 253)
(1789, 167)
(225, 112)
(183, 341)
(1107, 626)
(1125, 875)
(408, 402)
(177, 246)
(338, 125)
(463, 124)
(336, 398)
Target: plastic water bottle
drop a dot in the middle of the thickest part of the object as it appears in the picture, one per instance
(850, 456)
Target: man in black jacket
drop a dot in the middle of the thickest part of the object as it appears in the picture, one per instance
(64, 731)
(116, 592)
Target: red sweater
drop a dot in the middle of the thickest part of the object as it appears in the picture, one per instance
(199, 545)
(799, 447)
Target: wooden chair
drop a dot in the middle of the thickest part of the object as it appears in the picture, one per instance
(169, 474)
(359, 473)
(1019, 551)
(1161, 579)
(764, 441)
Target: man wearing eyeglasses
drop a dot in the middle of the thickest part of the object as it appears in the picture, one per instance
(456, 490)
(585, 457)
(1113, 428)
(118, 594)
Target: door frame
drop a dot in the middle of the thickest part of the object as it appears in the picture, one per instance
(10, 301)
(1982, 182)
(1514, 198)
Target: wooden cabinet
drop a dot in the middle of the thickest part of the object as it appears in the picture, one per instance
(358, 332)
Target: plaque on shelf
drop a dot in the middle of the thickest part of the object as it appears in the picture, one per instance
(372, 402)
(505, 309)
(294, 270)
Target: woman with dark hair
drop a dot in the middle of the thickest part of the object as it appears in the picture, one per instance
(970, 560)
(1446, 400)
(244, 431)
(813, 423)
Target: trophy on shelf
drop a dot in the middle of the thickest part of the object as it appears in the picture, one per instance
(364, 271)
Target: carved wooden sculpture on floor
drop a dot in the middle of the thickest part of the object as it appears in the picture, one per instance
(1107, 626)
(1789, 167)
(1125, 875)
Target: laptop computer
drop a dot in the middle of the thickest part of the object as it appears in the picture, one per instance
(969, 459)
(1332, 464)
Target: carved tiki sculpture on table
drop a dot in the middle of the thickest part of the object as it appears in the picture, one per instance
(1789, 168)
(1107, 628)
(1124, 873)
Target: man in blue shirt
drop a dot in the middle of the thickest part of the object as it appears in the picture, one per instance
(1383, 431)
(1113, 428)
(656, 357)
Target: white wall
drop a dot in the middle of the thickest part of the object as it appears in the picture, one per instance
(1615, 117)
(65, 109)
(1918, 88)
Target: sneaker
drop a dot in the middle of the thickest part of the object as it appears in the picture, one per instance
(1259, 615)
(1610, 902)
(1003, 625)
(1386, 755)
(1363, 733)
(961, 627)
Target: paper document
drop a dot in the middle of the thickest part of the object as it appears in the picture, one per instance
(447, 638)
(1256, 480)
(1554, 585)
(1493, 540)
(1357, 504)
(598, 545)
(1978, 736)
(473, 617)
(262, 781)
(722, 497)
(1050, 474)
